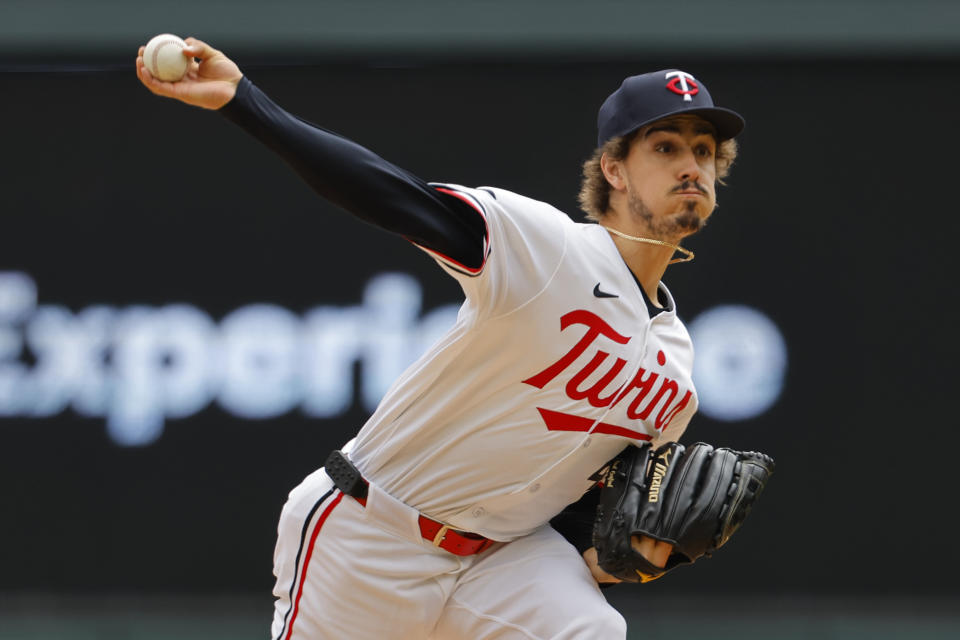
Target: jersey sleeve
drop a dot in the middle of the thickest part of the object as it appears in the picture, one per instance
(525, 243)
(361, 182)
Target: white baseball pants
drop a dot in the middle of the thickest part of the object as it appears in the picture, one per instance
(345, 571)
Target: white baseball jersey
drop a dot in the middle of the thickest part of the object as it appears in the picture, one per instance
(553, 366)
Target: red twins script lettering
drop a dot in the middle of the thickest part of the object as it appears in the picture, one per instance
(598, 394)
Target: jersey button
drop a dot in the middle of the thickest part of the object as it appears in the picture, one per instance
(479, 512)
(535, 487)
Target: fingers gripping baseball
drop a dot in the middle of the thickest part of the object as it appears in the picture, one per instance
(210, 81)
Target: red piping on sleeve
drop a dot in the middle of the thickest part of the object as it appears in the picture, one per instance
(486, 234)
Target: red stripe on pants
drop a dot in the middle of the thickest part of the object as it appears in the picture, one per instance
(306, 561)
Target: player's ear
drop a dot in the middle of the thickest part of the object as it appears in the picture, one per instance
(613, 172)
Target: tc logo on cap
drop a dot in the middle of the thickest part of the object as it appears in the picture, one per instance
(683, 84)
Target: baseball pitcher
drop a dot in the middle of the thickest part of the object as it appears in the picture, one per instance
(561, 390)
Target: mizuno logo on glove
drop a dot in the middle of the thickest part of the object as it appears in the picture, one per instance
(658, 472)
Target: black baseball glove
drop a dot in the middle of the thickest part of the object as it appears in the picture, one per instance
(693, 498)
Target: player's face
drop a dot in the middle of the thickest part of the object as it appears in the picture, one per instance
(670, 175)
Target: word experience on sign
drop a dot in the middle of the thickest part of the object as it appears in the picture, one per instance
(138, 366)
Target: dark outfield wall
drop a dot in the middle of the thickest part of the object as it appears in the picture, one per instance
(146, 247)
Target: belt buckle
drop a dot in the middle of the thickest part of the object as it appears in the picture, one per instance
(441, 534)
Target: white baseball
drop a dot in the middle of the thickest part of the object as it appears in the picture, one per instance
(163, 57)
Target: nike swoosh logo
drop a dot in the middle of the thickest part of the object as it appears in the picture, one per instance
(603, 294)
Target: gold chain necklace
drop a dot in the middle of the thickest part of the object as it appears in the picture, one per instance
(687, 254)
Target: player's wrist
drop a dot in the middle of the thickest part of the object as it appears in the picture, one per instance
(601, 576)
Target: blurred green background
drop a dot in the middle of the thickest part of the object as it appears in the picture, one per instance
(690, 617)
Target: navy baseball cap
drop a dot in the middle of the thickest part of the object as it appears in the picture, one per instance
(647, 98)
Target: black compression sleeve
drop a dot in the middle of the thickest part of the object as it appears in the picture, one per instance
(575, 522)
(363, 183)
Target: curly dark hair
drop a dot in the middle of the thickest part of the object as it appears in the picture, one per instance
(595, 190)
